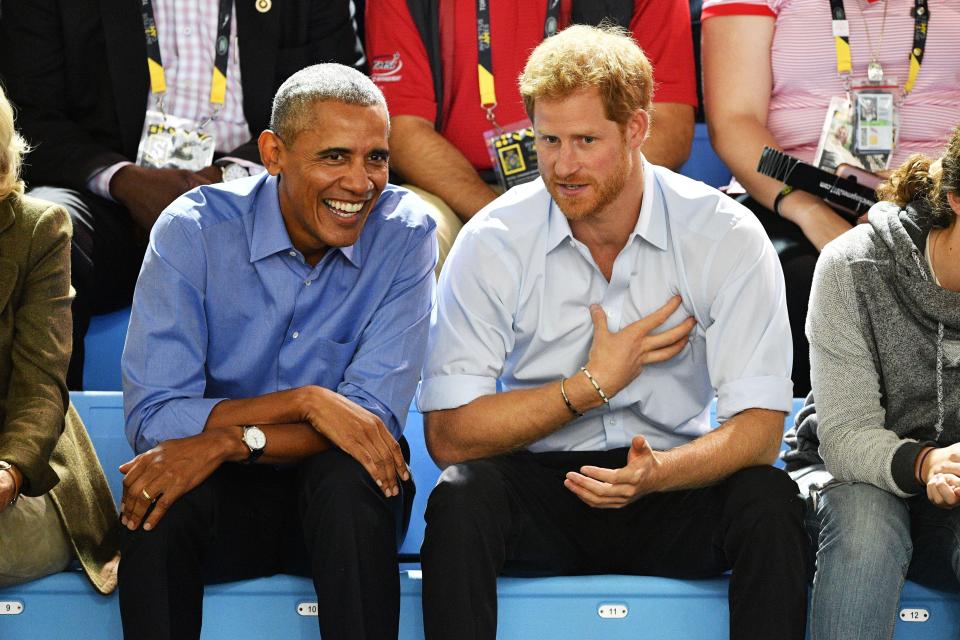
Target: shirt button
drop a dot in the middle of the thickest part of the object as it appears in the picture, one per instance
(613, 420)
(293, 254)
(296, 334)
(187, 31)
(308, 282)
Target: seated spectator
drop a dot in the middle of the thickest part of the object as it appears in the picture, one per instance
(89, 77)
(279, 319)
(424, 56)
(770, 69)
(884, 330)
(55, 504)
(624, 299)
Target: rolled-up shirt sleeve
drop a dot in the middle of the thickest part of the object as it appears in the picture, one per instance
(165, 352)
(471, 328)
(383, 374)
(749, 348)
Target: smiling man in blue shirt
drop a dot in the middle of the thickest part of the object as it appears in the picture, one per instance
(613, 300)
(277, 334)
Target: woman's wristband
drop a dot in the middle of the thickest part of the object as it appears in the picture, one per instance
(787, 190)
(920, 460)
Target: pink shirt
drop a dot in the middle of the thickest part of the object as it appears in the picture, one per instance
(805, 67)
(187, 31)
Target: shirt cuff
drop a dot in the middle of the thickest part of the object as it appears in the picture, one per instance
(180, 418)
(356, 395)
(99, 183)
(450, 392)
(767, 392)
(903, 463)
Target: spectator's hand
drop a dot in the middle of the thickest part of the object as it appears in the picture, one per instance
(941, 460)
(943, 490)
(8, 487)
(358, 433)
(616, 488)
(211, 174)
(147, 192)
(616, 359)
(166, 472)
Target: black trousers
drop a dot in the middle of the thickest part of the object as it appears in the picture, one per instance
(325, 518)
(512, 515)
(106, 254)
(798, 259)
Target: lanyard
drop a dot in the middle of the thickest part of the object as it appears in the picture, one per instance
(218, 84)
(841, 40)
(488, 93)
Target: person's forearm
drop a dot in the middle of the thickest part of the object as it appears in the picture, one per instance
(671, 135)
(427, 160)
(739, 143)
(278, 415)
(750, 438)
(504, 422)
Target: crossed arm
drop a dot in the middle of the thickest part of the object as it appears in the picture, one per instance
(298, 423)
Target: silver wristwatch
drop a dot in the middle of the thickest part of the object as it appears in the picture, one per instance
(256, 442)
(6, 466)
(233, 171)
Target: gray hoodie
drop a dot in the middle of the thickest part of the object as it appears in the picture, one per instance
(884, 354)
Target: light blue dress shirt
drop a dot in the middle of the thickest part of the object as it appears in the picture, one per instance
(514, 296)
(226, 307)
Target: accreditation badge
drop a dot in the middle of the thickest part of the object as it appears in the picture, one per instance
(513, 153)
(169, 142)
(860, 129)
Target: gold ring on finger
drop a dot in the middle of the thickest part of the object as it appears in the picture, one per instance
(147, 495)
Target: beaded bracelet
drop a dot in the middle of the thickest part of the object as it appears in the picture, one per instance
(566, 400)
(596, 385)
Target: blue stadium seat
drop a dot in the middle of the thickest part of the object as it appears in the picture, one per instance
(612, 607)
(704, 164)
(104, 346)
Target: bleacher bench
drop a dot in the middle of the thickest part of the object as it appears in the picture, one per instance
(610, 607)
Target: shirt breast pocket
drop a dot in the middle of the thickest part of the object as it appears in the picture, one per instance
(333, 358)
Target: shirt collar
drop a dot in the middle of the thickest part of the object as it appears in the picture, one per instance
(269, 235)
(651, 223)
(558, 227)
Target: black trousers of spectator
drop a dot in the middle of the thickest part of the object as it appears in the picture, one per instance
(798, 258)
(511, 515)
(325, 518)
(106, 254)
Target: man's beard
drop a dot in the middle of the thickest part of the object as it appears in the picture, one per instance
(606, 191)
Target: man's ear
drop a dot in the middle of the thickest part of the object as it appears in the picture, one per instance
(270, 146)
(637, 128)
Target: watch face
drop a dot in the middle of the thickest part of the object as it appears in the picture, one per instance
(233, 171)
(254, 438)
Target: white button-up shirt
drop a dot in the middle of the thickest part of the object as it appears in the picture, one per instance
(514, 297)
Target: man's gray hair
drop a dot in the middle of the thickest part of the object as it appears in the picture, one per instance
(317, 83)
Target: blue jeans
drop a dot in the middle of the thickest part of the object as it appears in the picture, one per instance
(870, 542)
